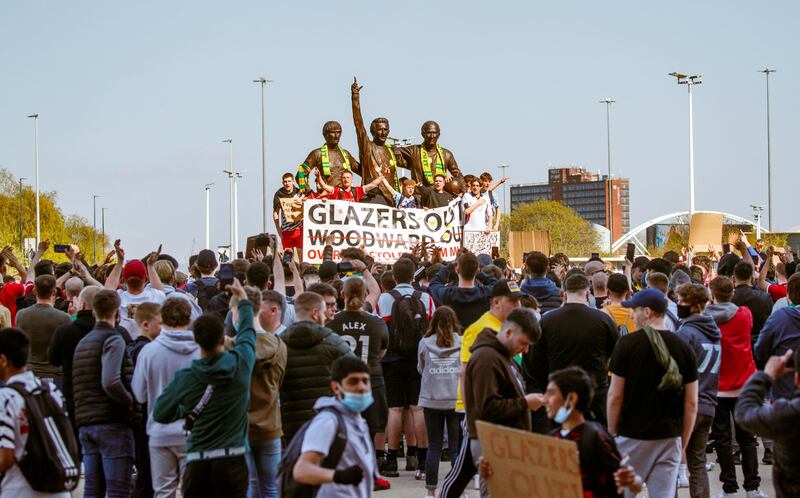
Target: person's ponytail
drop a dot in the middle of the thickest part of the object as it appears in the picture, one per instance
(355, 293)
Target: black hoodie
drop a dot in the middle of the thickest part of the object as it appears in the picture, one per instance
(468, 304)
(62, 348)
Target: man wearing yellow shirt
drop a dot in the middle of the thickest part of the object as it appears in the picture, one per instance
(618, 291)
(504, 297)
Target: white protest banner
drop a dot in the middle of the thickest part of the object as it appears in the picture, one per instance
(385, 233)
(530, 465)
(480, 242)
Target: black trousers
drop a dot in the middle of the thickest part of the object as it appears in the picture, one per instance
(221, 477)
(747, 445)
(462, 471)
(143, 488)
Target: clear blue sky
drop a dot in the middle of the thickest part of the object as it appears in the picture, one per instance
(135, 97)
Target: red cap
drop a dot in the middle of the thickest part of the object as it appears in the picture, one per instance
(134, 268)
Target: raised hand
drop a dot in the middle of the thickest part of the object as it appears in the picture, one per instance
(119, 252)
(354, 87)
(153, 257)
(236, 289)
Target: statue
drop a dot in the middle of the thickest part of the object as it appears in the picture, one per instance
(375, 155)
(331, 159)
(428, 159)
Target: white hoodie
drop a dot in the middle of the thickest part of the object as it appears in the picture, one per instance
(156, 366)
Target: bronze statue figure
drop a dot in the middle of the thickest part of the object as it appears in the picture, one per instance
(331, 159)
(429, 159)
(375, 155)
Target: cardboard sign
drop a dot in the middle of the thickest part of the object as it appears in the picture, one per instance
(292, 209)
(480, 242)
(520, 243)
(529, 465)
(705, 231)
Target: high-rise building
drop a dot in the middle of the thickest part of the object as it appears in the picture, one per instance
(586, 193)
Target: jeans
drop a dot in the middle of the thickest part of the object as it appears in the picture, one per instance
(696, 457)
(262, 466)
(436, 421)
(747, 445)
(218, 477)
(168, 465)
(108, 451)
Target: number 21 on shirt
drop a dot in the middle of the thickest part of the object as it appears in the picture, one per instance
(364, 340)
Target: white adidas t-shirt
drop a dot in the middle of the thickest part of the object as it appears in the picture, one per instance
(14, 434)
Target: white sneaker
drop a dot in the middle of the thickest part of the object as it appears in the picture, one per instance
(683, 476)
(756, 493)
(709, 466)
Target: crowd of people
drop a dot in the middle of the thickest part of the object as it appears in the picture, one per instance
(271, 377)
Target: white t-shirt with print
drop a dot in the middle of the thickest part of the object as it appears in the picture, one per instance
(14, 429)
(129, 303)
(478, 219)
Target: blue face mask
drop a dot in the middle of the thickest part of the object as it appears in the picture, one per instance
(356, 402)
(562, 414)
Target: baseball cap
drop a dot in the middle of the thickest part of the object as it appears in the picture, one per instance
(134, 268)
(506, 288)
(206, 258)
(648, 298)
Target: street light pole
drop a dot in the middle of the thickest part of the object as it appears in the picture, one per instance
(757, 216)
(207, 188)
(230, 174)
(103, 227)
(94, 228)
(35, 117)
(235, 249)
(263, 81)
(21, 241)
(504, 167)
(608, 101)
(689, 81)
(767, 72)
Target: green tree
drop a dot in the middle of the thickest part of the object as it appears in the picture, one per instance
(569, 233)
(55, 227)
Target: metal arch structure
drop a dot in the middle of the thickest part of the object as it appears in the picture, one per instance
(631, 236)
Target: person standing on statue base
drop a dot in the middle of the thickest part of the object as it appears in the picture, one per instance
(287, 213)
(331, 159)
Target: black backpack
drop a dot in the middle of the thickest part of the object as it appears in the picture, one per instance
(205, 293)
(289, 488)
(51, 462)
(407, 323)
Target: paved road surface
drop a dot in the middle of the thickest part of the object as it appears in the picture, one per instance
(406, 487)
